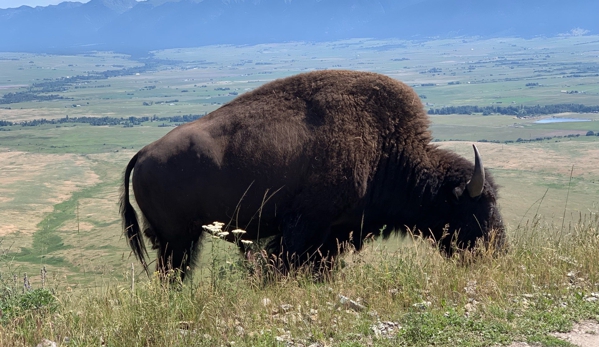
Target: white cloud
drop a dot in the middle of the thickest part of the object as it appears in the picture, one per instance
(576, 32)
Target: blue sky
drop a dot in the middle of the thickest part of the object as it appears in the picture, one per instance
(32, 3)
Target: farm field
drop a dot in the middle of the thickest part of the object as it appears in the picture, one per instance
(60, 180)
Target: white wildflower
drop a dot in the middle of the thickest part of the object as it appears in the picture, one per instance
(222, 234)
(214, 228)
(246, 242)
(238, 231)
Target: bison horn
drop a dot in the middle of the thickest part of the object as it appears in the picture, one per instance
(477, 182)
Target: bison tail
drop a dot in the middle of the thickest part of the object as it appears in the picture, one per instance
(129, 216)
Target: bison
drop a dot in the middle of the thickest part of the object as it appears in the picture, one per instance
(311, 161)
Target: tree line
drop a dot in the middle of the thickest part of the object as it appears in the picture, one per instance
(513, 110)
(98, 121)
(39, 91)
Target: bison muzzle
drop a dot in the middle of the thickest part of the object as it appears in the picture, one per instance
(310, 161)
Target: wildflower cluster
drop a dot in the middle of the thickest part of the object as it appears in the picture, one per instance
(216, 229)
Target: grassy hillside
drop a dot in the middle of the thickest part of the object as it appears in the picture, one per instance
(59, 189)
(397, 293)
(60, 182)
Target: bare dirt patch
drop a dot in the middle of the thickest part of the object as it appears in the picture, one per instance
(10, 86)
(19, 115)
(583, 334)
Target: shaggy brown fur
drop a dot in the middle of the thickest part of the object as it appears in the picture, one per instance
(309, 159)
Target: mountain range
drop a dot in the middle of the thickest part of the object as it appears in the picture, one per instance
(136, 27)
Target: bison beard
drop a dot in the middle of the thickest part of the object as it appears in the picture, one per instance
(313, 161)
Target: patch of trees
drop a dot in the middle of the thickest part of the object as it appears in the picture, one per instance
(150, 103)
(11, 98)
(589, 133)
(433, 71)
(98, 86)
(39, 91)
(103, 121)
(521, 111)
(579, 75)
(521, 140)
(177, 119)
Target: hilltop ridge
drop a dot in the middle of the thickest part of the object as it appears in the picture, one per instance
(131, 26)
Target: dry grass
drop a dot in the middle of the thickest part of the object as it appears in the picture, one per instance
(557, 158)
(31, 184)
(28, 114)
(407, 296)
(548, 179)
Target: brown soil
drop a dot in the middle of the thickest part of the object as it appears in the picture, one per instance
(583, 334)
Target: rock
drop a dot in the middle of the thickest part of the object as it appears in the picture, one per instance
(422, 305)
(46, 343)
(351, 304)
(386, 329)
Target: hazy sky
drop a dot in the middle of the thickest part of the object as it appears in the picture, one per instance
(32, 3)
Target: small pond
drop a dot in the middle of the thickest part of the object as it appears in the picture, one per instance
(561, 120)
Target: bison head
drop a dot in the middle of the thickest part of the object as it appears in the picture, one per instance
(471, 211)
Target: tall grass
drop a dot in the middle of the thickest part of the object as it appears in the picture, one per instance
(401, 292)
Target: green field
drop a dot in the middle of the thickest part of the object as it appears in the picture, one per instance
(60, 183)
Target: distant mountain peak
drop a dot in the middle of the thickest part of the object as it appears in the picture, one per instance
(156, 3)
(139, 27)
(119, 6)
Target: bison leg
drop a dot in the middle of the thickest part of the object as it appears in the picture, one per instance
(341, 238)
(302, 240)
(176, 257)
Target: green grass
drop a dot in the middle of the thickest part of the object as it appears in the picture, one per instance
(521, 296)
(483, 67)
(503, 128)
(410, 296)
(206, 69)
(79, 138)
(47, 240)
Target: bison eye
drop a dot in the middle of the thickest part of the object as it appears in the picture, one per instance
(457, 192)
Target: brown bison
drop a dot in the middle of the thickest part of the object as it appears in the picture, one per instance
(311, 161)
